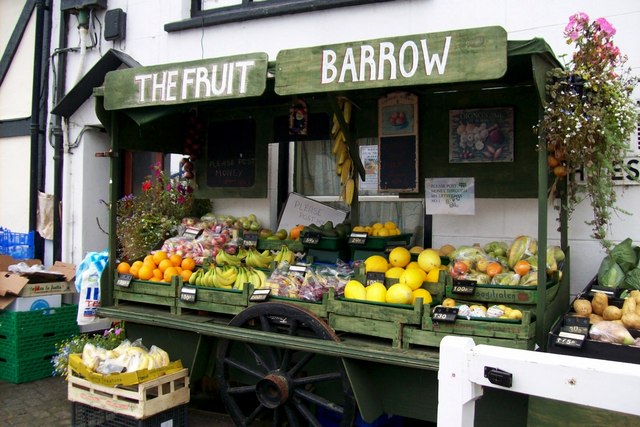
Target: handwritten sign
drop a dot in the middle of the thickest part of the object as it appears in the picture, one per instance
(451, 196)
(302, 210)
(231, 154)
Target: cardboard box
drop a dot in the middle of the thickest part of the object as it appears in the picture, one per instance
(125, 379)
(59, 279)
(34, 303)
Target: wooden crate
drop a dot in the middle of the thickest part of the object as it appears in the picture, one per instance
(415, 338)
(380, 320)
(505, 294)
(318, 308)
(215, 300)
(145, 292)
(139, 401)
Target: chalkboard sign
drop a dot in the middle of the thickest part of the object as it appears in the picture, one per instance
(231, 154)
(398, 143)
(398, 164)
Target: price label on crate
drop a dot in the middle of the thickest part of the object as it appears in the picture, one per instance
(250, 239)
(444, 314)
(575, 325)
(259, 295)
(567, 339)
(192, 232)
(298, 268)
(610, 292)
(188, 294)
(391, 244)
(357, 238)
(373, 277)
(124, 280)
(466, 287)
(311, 239)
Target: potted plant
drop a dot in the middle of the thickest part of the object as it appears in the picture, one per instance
(588, 119)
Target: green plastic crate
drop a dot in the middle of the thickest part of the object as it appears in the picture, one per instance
(37, 322)
(32, 346)
(24, 370)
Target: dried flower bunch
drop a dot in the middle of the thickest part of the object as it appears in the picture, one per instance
(108, 340)
(589, 118)
(144, 221)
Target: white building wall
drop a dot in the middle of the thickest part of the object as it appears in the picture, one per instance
(148, 43)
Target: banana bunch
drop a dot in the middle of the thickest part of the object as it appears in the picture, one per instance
(225, 277)
(284, 254)
(344, 163)
(223, 258)
(248, 275)
(257, 259)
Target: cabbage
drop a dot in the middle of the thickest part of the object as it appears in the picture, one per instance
(610, 274)
(624, 255)
(632, 279)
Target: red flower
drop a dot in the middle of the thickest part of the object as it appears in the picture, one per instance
(146, 186)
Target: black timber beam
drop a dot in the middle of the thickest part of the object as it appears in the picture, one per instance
(16, 37)
(15, 127)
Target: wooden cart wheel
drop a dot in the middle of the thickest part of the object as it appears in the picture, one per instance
(271, 385)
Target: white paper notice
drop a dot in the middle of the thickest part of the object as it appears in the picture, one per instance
(452, 196)
(369, 157)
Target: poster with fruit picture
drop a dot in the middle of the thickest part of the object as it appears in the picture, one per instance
(481, 135)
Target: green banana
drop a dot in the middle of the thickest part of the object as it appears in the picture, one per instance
(194, 276)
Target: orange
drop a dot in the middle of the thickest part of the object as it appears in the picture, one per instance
(145, 272)
(459, 268)
(169, 273)
(149, 258)
(164, 264)
(149, 263)
(188, 264)
(137, 264)
(123, 268)
(134, 270)
(158, 274)
(522, 267)
(175, 259)
(186, 274)
(159, 256)
(494, 268)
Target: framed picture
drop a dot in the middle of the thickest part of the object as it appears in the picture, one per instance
(481, 135)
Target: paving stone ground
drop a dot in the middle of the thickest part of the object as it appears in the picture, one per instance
(44, 403)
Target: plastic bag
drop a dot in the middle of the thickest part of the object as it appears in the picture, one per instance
(611, 332)
(87, 283)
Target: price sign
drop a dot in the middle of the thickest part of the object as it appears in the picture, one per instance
(576, 325)
(373, 277)
(567, 339)
(250, 239)
(357, 239)
(188, 294)
(444, 314)
(260, 295)
(466, 287)
(311, 239)
(299, 268)
(124, 280)
(192, 232)
(610, 292)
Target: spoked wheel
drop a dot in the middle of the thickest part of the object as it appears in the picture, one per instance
(275, 386)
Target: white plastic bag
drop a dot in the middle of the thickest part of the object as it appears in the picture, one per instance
(88, 276)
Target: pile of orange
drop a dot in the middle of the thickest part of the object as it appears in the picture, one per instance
(159, 267)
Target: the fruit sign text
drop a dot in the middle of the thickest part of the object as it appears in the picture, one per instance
(384, 61)
(199, 82)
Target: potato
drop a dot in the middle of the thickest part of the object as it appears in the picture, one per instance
(599, 302)
(595, 318)
(629, 306)
(635, 294)
(631, 320)
(612, 313)
(582, 307)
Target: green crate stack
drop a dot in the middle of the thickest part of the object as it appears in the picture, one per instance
(28, 341)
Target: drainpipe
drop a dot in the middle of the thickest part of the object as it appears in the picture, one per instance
(58, 136)
(38, 116)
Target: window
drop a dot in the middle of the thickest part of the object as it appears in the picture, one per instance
(216, 12)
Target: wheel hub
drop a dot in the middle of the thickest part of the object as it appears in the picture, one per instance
(273, 390)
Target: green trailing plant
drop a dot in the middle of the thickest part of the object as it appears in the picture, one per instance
(588, 119)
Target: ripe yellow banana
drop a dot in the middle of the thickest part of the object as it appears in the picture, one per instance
(345, 171)
(346, 111)
(349, 188)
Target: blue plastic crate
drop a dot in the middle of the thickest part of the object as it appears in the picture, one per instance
(332, 419)
(17, 245)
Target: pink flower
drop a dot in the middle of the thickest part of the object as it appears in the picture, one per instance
(606, 27)
(577, 24)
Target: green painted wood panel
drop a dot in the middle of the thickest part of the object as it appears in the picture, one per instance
(444, 57)
(240, 76)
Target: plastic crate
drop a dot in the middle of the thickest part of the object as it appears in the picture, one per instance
(22, 347)
(85, 416)
(24, 370)
(15, 324)
(17, 245)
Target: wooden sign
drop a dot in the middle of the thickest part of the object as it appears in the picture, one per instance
(443, 57)
(398, 143)
(239, 76)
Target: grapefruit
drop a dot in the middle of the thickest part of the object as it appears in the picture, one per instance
(376, 292)
(394, 273)
(376, 263)
(412, 277)
(354, 290)
(421, 293)
(399, 256)
(429, 259)
(399, 293)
